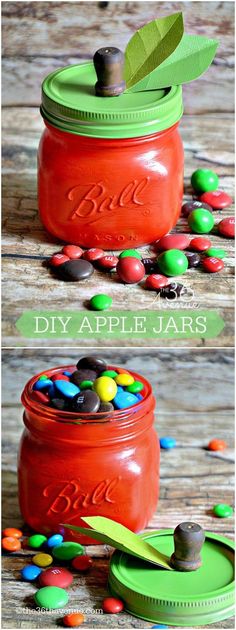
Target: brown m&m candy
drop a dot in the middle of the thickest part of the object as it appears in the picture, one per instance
(189, 206)
(75, 270)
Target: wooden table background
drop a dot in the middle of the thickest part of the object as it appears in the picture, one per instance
(38, 37)
(194, 390)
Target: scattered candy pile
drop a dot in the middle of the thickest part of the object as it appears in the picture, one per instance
(90, 388)
(75, 264)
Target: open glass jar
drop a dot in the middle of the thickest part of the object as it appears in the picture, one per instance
(110, 170)
(100, 464)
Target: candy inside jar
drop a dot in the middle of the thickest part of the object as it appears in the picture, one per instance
(89, 447)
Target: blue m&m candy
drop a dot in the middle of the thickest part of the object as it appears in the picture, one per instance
(42, 384)
(124, 399)
(167, 442)
(55, 540)
(30, 572)
(67, 389)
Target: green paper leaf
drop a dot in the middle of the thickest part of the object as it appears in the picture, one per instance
(150, 46)
(111, 533)
(190, 59)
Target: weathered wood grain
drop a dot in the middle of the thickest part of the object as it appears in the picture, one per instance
(39, 37)
(194, 394)
(206, 143)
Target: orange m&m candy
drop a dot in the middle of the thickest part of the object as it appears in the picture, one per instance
(10, 543)
(12, 531)
(73, 620)
(217, 445)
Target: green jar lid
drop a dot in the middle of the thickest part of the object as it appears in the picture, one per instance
(69, 103)
(172, 597)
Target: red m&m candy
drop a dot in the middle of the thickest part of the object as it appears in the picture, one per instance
(200, 244)
(217, 199)
(72, 251)
(107, 262)
(172, 241)
(213, 265)
(40, 397)
(112, 605)
(156, 281)
(93, 254)
(130, 270)
(56, 576)
(226, 227)
(59, 377)
(58, 259)
(82, 563)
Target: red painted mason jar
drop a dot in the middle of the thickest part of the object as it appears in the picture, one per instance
(110, 170)
(106, 465)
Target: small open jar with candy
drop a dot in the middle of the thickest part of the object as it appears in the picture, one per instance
(88, 448)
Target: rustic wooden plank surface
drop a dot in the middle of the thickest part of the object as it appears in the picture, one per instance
(194, 391)
(38, 37)
(207, 144)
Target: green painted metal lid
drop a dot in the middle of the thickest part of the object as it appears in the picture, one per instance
(172, 597)
(69, 103)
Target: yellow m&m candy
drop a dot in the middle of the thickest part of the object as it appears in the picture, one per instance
(124, 380)
(42, 560)
(105, 387)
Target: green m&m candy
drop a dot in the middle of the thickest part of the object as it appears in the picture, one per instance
(173, 262)
(222, 510)
(130, 252)
(86, 385)
(36, 540)
(216, 252)
(67, 551)
(110, 373)
(201, 221)
(203, 180)
(51, 597)
(100, 302)
(135, 388)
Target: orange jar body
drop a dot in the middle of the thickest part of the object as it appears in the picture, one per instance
(110, 193)
(67, 470)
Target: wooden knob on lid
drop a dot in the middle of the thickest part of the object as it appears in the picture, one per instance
(188, 538)
(109, 64)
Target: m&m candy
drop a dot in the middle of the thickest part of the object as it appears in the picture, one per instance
(222, 510)
(212, 265)
(58, 259)
(73, 620)
(42, 560)
(172, 241)
(130, 252)
(30, 573)
(226, 227)
(107, 262)
(100, 302)
(173, 262)
(193, 259)
(82, 563)
(72, 251)
(93, 254)
(56, 576)
(203, 179)
(217, 445)
(55, 539)
(12, 532)
(36, 540)
(217, 199)
(67, 551)
(124, 379)
(200, 243)
(167, 442)
(51, 597)
(156, 281)
(216, 252)
(130, 270)
(201, 221)
(11, 543)
(105, 387)
(112, 605)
